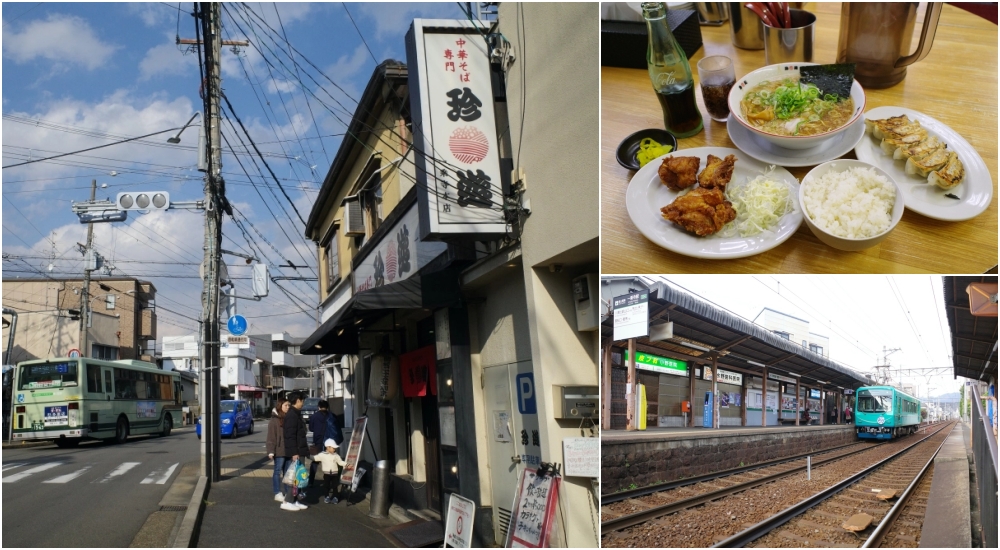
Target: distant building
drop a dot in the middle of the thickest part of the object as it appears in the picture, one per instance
(794, 329)
(122, 322)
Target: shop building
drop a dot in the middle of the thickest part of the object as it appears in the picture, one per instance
(793, 329)
(458, 338)
(703, 366)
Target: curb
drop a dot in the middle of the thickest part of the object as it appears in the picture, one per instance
(28, 444)
(191, 522)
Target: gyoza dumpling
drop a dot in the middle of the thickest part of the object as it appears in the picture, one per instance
(920, 150)
(949, 176)
(928, 164)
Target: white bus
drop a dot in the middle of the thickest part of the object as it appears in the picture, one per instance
(70, 399)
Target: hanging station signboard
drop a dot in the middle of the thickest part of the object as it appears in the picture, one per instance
(459, 185)
(656, 363)
(631, 313)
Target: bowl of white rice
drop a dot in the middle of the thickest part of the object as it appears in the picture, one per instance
(849, 204)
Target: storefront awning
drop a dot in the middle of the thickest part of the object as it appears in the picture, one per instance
(241, 387)
(433, 286)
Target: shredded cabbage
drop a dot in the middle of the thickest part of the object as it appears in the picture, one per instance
(649, 149)
(760, 204)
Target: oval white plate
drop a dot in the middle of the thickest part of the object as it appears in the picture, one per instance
(646, 195)
(974, 193)
(770, 153)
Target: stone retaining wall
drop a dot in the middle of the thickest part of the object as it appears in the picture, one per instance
(633, 463)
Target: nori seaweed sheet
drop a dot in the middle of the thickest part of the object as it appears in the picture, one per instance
(830, 79)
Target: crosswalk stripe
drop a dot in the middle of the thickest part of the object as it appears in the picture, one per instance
(68, 477)
(163, 477)
(120, 470)
(12, 465)
(21, 475)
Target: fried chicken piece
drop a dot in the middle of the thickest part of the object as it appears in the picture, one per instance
(679, 172)
(717, 172)
(702, 211)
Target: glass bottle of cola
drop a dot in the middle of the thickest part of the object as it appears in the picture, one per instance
(670, 73)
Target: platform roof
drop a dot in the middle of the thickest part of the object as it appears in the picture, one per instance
(736, 341)
(973, 338)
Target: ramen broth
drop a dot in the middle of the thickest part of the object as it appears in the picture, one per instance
(786, 108)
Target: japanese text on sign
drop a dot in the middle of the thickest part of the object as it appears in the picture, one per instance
(534, 510)
(631, 313)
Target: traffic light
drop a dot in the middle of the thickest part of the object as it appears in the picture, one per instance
(143, 200)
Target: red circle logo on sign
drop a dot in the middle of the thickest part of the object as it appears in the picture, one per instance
(458, 525)
(468, 144)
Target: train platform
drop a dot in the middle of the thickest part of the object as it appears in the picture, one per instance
(948, 521)
(656, 455)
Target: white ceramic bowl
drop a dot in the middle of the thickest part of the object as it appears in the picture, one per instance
(843, 243)
(778, 72)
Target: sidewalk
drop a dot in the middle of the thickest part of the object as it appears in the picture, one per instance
(240, 512)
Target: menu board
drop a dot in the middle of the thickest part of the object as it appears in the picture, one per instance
(582, 456)
(534, 511)
(354, 452)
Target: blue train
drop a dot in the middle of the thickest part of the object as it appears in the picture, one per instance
(884, 412)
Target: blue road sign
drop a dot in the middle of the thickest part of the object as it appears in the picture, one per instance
(526, 393)
(237, 325)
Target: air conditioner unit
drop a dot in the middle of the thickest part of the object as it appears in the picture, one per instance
(354, 220)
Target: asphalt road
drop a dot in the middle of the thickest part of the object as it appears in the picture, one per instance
(96, 495)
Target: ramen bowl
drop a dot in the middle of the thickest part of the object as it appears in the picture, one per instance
(780, 72)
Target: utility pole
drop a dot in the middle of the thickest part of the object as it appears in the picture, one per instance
(212, 39)
(85, 293)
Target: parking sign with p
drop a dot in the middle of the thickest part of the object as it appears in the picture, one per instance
(526, 393)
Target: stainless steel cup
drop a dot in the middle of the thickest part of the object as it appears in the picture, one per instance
(789, 45)
(711, 13)
(745, 28)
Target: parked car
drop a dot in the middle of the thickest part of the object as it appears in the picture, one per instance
(309, 406)
(234, 417)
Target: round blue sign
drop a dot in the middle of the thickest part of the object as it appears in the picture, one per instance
(237, 325)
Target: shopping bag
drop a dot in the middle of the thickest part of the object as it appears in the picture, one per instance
(301, 475)
(289, 478)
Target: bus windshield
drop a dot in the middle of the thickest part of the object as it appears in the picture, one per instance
(875, 401)
(47, 375)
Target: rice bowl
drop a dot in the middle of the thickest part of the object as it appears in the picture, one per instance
(849, 204)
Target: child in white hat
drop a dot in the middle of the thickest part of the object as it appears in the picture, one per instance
(331, 463)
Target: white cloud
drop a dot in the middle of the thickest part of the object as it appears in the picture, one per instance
(166, 60)
(284, 86)
(61, 39)
(154, 14)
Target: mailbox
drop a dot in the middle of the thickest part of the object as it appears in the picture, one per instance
(577, 402)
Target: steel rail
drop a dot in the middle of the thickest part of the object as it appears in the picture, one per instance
(611, 498)
(754, 532)
(875, 539)
(617, 524)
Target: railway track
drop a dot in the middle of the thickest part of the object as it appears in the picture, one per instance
(824, 514)
(692, 517)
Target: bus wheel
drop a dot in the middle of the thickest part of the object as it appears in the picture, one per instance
(67, 443)
(121, 430)
(168, 422)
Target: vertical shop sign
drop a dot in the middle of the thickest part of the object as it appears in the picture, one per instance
(459, 185)
(347, 476)
(417, 370)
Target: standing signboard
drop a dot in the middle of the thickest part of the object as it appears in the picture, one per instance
(347, 476)
(458, 525)
(460, 187)
(534, 511)
(631, 313)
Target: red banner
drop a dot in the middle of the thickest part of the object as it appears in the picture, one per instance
(417, 371)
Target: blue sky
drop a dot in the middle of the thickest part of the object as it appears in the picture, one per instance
(79, 75)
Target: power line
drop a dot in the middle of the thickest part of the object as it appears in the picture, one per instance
(363, 41)
(88, 149)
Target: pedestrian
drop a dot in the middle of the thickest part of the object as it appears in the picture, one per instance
(331, 463)
(317, 425)
(276, 446)
(296, 446)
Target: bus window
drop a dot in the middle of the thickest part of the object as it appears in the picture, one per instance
(107, 382)
(94, 378)
(47, 375)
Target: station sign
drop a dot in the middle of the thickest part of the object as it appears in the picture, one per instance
(814, 394)
(729, 377)
(774, 376)
(655, 363)
(631, 313)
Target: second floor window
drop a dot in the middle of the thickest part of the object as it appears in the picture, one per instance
(332, 254)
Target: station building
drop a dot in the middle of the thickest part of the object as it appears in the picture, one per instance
(459, 349)
(757, 376)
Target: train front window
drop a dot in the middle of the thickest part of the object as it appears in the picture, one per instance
(875, 401)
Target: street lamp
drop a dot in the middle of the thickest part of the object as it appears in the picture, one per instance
(177, 138)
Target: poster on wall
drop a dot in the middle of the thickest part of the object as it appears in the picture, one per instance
(347, 476)
(534, 511)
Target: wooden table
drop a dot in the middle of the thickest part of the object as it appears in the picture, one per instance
(956, 84)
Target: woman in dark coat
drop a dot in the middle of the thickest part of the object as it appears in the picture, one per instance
(276, 445)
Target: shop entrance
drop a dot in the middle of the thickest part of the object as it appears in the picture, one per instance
(509, 429)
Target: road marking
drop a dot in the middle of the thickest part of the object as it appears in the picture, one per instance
(68, 477)
(26, 473)
(13, 465)
(120, 470)
(163, 477)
